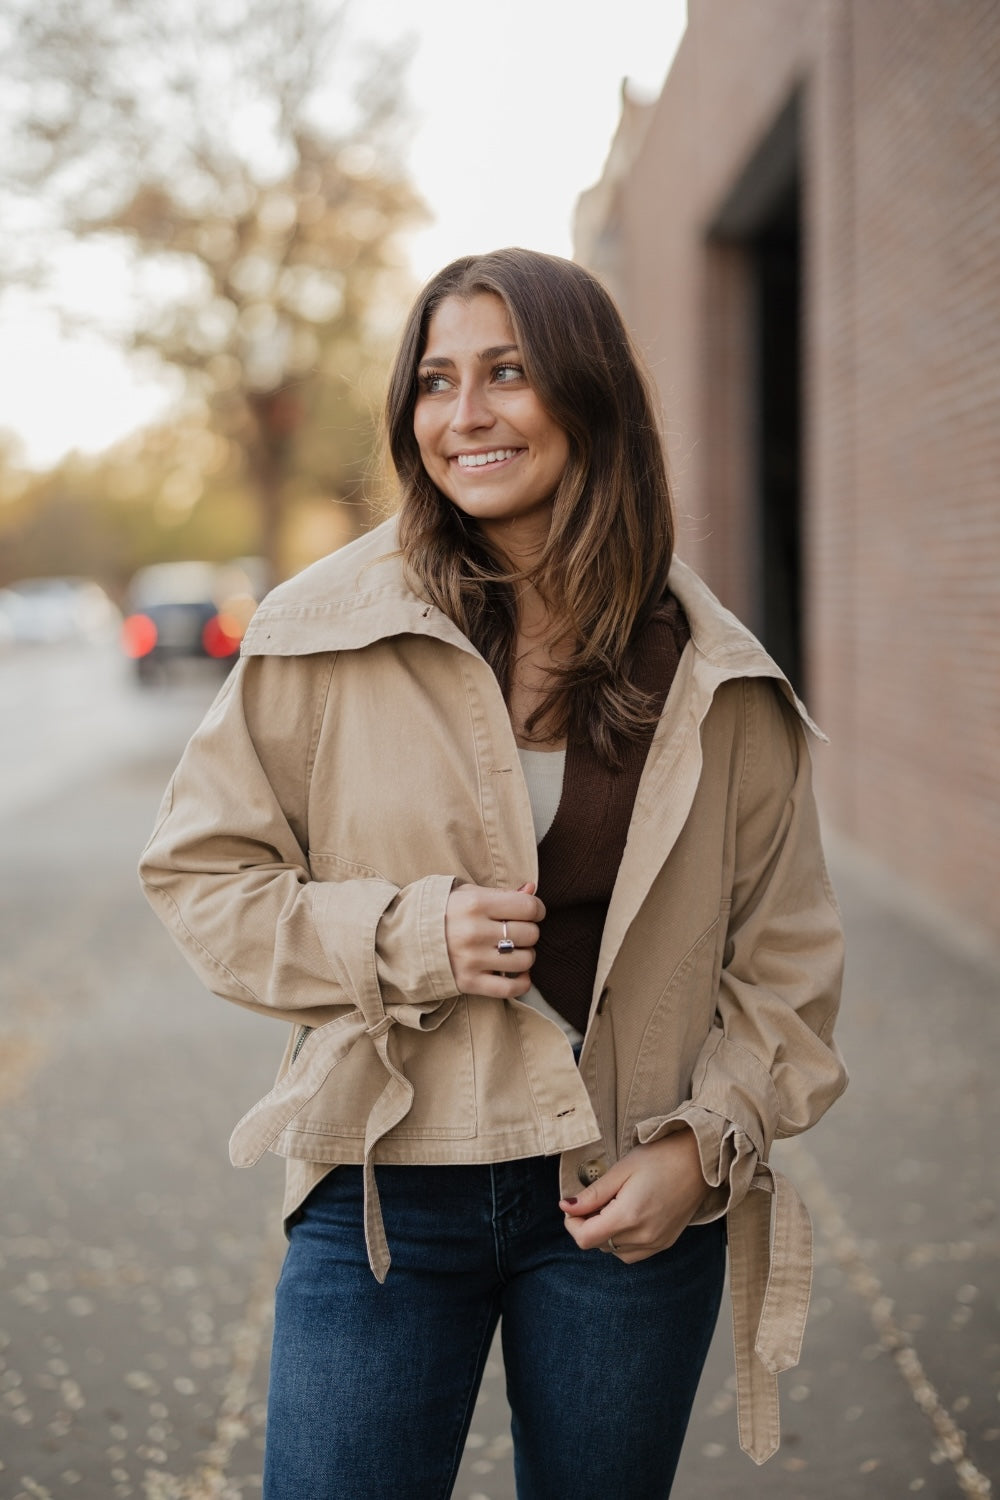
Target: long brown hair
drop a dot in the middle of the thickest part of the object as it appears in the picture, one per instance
(603, 568)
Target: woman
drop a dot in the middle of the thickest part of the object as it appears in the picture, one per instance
(513, 823)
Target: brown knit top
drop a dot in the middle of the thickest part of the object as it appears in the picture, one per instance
(579, 856)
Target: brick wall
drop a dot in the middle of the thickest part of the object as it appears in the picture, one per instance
(900, 176)
(927, 440)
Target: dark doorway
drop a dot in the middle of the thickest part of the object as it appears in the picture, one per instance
(762, 215)
(776, 256)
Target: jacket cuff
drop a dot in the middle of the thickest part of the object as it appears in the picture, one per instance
(728, 1156)
(730, 1081)
(410, 947)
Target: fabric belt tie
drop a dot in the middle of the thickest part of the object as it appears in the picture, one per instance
(367, 1022)
(327, 1046)
(770, 1246)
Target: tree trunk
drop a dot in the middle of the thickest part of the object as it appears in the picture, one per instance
(276, 416)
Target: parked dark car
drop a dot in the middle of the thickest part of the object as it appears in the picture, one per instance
(187, 610)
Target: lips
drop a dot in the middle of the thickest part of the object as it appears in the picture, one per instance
(484, 459)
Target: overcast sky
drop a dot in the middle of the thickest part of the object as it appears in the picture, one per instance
(516, 106)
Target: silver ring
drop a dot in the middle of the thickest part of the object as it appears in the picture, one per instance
(611, 1243)
(506, 944)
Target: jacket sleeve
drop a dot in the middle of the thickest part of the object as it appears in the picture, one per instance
(226, 868)
(769, 1066)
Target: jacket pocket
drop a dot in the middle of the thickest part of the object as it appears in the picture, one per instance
(439, 1065)
(440, 1111)
(333, 867)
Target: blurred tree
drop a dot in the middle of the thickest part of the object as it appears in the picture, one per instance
(169, 492)
(248, 155)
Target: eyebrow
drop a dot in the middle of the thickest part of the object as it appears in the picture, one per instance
(485, 356)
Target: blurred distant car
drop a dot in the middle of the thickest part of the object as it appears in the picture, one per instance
(7, 609)
(187, 610)
(47, 611)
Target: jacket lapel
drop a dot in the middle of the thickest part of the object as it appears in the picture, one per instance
(720, 649)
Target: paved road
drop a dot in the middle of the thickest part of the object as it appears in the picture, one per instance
(136, 1266)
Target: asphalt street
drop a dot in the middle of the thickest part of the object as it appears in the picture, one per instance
(137, 1266)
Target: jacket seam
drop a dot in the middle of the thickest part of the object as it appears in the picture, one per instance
(748, 730)
(313, 745)
(471, 702)
(154, 891)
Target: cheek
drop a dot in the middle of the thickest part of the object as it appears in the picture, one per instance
(558, 447)
(551, 437)
(422, 432)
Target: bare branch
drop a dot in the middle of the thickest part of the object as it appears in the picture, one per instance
(243, 144)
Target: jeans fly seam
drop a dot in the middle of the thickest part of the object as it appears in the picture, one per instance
(495, 1226)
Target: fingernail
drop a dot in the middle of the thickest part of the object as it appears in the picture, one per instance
(571, 1200)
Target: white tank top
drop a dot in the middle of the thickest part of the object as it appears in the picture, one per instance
(543, 772)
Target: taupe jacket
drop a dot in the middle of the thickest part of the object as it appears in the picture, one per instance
(358, 761)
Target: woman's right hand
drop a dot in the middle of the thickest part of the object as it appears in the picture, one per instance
(472, 928)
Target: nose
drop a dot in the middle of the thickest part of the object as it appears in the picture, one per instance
(471, 409)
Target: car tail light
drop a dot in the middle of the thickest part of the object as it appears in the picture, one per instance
(138, 636)
(221, 636)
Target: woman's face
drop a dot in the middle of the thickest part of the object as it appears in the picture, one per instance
(484, 437)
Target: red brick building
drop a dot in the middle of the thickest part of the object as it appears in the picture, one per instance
(804, 234)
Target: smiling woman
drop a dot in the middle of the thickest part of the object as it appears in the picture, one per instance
(513, 823)
(485, 439)
(563, 548)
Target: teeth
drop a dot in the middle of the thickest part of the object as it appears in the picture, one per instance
(478, 460)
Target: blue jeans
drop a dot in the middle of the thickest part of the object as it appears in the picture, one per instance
(372, 1387)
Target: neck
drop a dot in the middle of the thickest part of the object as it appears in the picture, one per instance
(534, 618)
(520, 539)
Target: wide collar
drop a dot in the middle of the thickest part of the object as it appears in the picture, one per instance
(350, 599)
(362, 594)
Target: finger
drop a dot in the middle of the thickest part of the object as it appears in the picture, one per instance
(469, 930)
(497, 902)
(498, 986)
(521, 934)
(518, 962)
(476, 972)
(594, 1233)
(513, 906)
(631, 1255)
(573, 1227)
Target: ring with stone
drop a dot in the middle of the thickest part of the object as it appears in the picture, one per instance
(506, 944)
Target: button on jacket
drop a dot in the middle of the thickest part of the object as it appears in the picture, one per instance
(359, 761)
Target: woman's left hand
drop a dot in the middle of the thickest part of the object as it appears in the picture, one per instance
(643, 1202)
